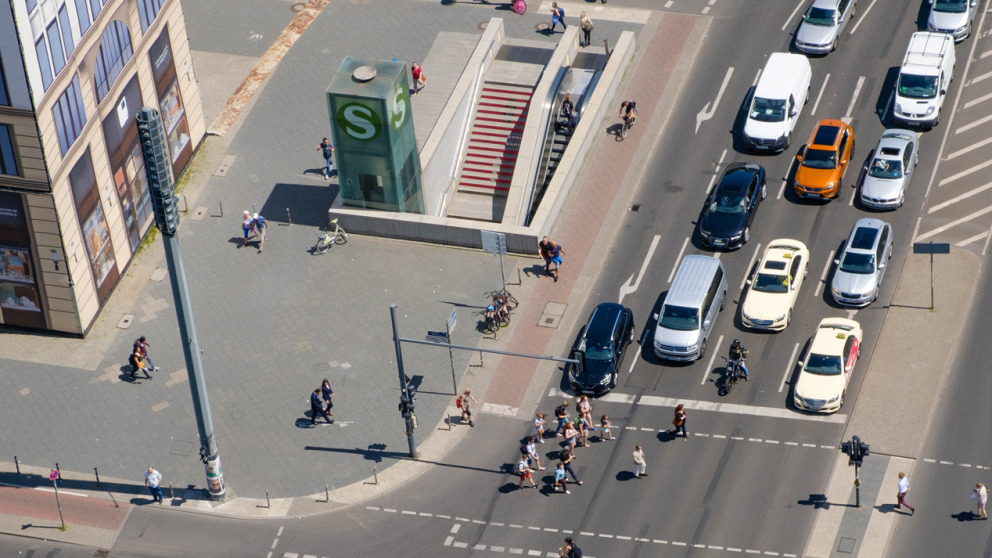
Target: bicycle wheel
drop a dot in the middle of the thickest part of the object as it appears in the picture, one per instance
(341, 237)
(504, 320)
(322, 247)
(491, 325)
(510, 302)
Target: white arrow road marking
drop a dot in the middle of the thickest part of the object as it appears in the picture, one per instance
(707, 112)
(631, 285)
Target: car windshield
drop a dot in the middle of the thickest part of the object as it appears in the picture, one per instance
(768, 110)
(820, 159)
(951, 6)
(821, 16)
(769, 283)
(886, 168)
(823, 365)
(917, 87)
(733, 204)
(599, 351)
(859, 263)
(679, 318)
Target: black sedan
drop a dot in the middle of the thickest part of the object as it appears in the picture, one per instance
(730, 208)
(601, 349)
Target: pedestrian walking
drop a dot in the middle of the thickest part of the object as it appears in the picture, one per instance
(327, 151)
(679, 422)
(571, 435)
(582, 426)
(325, 393)
(463, 403)
(556, 252)
(523, 469)
(261, 228)
(586, 24)
(530, 450)
(560, 481)
(557, 16)
(248, 227)
(585, 408)
(153, 480)
(903, 490)
(141, 345)
(561, 413)
(419, 80)
(980, 496)
(604, 423)
(567, 456)
(316, 408)
(539, 427)
(569, 549)
(544, 249)
(138, 364)
(641, 466)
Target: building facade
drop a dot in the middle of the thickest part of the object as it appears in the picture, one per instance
(74, 198)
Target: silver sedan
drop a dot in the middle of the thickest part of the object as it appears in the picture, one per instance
(823, 24)
(891, 170)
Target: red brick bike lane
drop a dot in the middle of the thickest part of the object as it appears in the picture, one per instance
(34, 503)
(585, 214)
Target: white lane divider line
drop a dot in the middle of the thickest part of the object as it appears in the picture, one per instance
(956, 199)
(757, 76)
(789, 368)
(750, 266)
(631, 285)
(781, 191)
(709, 367)
(716, 171)
(953, 224)
(975, 238)
(985, 54)
(969, 149)
(678, 259)
(982, 77)
(854, 98)
(979, 100)
(823, 276)
(669, 4)
(964, 173)
(820, 94)
(862, 17)
(792, 16)
(974, 124)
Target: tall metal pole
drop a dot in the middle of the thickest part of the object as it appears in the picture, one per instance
(159, 170)
(857, 485)
(405, 402)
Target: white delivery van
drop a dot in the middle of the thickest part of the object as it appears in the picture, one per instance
(782, 90)
(924, 77)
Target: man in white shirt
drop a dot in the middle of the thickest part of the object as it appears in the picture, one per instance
(903, 490)
(641, 466)
(153, 480)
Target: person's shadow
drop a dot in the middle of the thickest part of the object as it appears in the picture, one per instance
(966, 516)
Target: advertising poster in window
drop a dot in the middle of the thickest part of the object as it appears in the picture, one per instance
(93, 222)
(20, 301)
(170, 102)
(120, 131)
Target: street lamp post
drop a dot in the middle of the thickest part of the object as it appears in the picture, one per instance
(157, 166)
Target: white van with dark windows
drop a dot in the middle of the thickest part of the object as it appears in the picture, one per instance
(782, 90)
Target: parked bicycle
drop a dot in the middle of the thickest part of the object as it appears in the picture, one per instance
(327, 239)
(503, 298)
(490, 323)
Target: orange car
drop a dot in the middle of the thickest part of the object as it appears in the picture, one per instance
(824, 161)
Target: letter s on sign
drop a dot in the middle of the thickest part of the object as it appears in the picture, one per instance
(359, 121)
(398, 108)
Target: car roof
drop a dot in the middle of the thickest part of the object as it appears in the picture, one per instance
(892, 144)
(603, 321)
(779, 254)
(865, 234)
(827, 4)
(739, 174)
(692, 280)
(827, 133)
(832, 333)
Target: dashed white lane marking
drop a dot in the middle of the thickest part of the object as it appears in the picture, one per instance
(982, 77)
(854, 97)
(954, 223)
(781, 191)
(669, 4)
(792, 17)
(968, 241)
(789, 368)
(985, 54)
(820, 94)
(974, 124)
(964, 173)
(750, 266)
(862, 18)
(709, 365)
(823, 276)
(968, 149)
(716, 167)
(757, 76)
(979, 100)
(678, 259)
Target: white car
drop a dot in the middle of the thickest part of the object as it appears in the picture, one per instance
(827, 368)
(775, 285)
(953, 17)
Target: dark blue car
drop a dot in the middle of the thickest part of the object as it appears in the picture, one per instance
(601, 349)
(726, 219)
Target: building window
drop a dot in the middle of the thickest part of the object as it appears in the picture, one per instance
(87, 15)
(54, 41)
(115, 51)
(4, 98)
(70, 117)
(43, 62)
(8, 163)
(148, 9)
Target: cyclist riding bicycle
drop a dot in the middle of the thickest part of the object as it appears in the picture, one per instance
(738, 353)
(628, 112)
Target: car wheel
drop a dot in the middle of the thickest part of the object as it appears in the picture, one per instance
(854, 9)
(805, 271)
(702, 348)
(842, 395)
(764, 191)
(747, 234)
(613, 380)
(788, 139)
(723, 300)
(854, 144)
(788, 318)
(833, 47)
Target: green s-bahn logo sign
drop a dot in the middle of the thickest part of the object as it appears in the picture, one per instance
(361, 122)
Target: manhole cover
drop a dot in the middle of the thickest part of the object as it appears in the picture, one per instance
(542, 27)
(297, 7)
(847, 545)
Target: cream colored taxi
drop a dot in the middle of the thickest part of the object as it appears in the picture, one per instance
(775, 285)
(828, 365)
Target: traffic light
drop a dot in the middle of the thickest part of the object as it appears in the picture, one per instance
(411, 389)
(846, 448)
(862, 451)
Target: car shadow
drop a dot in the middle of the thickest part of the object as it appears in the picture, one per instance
(885, 104)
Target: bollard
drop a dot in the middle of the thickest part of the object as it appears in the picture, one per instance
(185, 204)
(375, 476)
(606, 44)
(17, 465)
(289, 218)
(97, 473)
(327, 494)
(268, 504)
(172, 492)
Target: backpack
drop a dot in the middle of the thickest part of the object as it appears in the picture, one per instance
(260, 222)
(458, 402)
(576, 552)
(559, 411)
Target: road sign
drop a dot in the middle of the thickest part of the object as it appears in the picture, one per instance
(54, 475)
(931, 248)
(437, 337)
(493, 242)
(452, 320)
